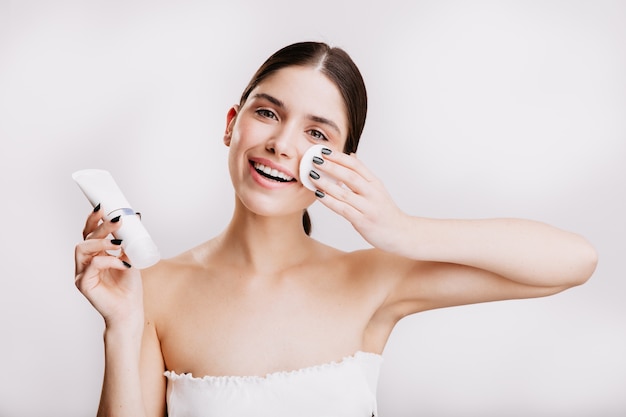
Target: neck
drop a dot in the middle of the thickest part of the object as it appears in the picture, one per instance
(265, 244)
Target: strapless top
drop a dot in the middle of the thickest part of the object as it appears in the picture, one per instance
(338, 389)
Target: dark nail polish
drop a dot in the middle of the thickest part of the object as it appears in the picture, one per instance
(326, 151)
(317, 160)
(116, 241)
(314, 175)
(138, 214)
(126, 264)
(319, 194)
(115, 219)
(96, 208)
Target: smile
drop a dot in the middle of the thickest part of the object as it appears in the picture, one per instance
(271, 173)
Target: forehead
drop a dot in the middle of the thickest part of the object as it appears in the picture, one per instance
(306, 90)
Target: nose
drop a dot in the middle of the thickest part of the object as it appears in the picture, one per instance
(283, 143)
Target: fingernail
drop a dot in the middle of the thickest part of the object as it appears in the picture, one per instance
(126, 264)
(96, 208)
(326, 151)
(116, 241)
(319, 194)
(138, 214)
(317, 160)
(115, 219)
(314, 175)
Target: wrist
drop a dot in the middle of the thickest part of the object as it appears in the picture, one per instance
(128, 329)
(123, 344)
(407, 233)
(414, 237)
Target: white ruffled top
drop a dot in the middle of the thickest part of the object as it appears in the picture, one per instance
(338, 389)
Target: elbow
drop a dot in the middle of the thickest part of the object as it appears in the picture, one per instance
(586, 263)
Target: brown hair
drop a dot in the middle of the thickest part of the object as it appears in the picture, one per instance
(337, 65)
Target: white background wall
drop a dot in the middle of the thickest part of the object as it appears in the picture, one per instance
(478, 109)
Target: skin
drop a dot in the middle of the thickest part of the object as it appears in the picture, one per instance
(263, 297)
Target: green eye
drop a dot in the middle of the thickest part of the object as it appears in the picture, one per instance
(266, 113)
(317, 134)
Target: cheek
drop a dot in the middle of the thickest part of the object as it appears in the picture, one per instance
(239, 142)
(246, 126)
(236, 157)
(307, 198)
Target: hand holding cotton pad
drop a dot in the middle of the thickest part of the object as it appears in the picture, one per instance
(306, 165)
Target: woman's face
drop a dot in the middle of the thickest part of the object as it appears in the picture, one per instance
(287, 113)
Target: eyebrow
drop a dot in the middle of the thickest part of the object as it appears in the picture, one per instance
(317, 119)
(325, 121)
(271, 99)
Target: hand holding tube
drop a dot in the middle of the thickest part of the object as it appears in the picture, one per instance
(110, 284)
(100, 189)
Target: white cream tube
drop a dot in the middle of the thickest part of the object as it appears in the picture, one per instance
(100, 188)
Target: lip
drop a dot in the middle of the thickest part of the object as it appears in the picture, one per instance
(265, 182)
(273, 165)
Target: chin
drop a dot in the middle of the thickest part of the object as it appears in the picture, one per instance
(270, 206)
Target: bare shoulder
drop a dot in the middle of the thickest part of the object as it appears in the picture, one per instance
(379, 266)
(405, 284)
(372, 272)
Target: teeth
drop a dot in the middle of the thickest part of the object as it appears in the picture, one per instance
(272, 172)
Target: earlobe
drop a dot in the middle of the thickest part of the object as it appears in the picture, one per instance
(231, 116)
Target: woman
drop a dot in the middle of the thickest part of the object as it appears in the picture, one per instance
(264, 320)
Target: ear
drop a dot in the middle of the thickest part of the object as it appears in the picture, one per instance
(231, 116)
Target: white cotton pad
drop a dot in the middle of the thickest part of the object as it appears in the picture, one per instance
(306, 165)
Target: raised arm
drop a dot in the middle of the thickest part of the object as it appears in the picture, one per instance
(133, 377)
(524, 251)
(432, 263)
(455, 262)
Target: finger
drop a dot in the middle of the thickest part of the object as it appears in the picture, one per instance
(105, 228)
(88, 279)
(349, 171)
(92, 222)
(341, 192)
(101, 263)
(87, 250)
(347, 211)
(352, 163)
